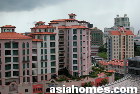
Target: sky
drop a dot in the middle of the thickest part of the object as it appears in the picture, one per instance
(101, 13)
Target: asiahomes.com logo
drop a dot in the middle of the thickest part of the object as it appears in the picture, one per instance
(74, 89)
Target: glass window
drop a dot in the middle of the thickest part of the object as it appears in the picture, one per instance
(74, 55)
(80, 37)
(27, 45)
(7, 52)
(8, 74)
(52, 37)
(41, 71)
(52, 57)
(7, 45)
(45, 64)
(45, 51)
(41, 64)
(41, 44)
(7, 67)
(23, 45)
(75, 68)
(23, 51)
(52, 50)
(52, 44)
(45, 70)
(27, 51)
(53, 70)
(53, 64)
(74, 31)
(74, 61)
(15, 66)
(74, 37)
(7, 59)
(74, 43)
(15, 59)
(74, 49)
(45, 44)
(15, 45)
(45, 37)
(15, 52)
(15, 73)
(41, 51)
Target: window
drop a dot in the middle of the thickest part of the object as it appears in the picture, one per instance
(15, 59)
(26, 90)
(45, 70)
(23, 45)
(52, 37)
(41, 44)
(33, 65)
(45, 64)
(7, 67)
(74, 49)
(27, 51)
(23, 52)
(74, 55)
(38, 37)
(28, 58)
(8, 74)
(7, 45)
(45, 37)
(75, 67)
(74, 43)
(45, 51)
(74, 37)
(74, 61)
(41, 51)
(41, 77)
(7, 52)
(52, 44)
(53, 64)
(15, 73)
(39, 30)
(53, 70)
(74, 31)
(15, 45)
(15, 52)
(41, 64)
(34, 58)
(80, 37)
(52, 57)
(27, 45)
(52, 51)
(45, 44)
(7, 59)
(41, 71)
(15, 66)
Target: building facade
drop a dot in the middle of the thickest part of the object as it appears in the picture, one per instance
(120, 44)
(96, 40)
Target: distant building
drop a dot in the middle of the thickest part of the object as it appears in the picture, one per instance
(134, 65)
(118, 22)
(120, 44)
(96, 40)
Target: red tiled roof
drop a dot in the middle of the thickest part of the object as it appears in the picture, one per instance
(119, 32)
(40, 33)
(37, 40)
(8, 26)
(13, 35)
(113, 62)
(110, 71)
(63, 20)
(40, 22)
(53, 23)
(43, 27)
(73, 26)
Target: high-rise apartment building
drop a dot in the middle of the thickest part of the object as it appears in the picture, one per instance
(74, 45)
(96, 40)
(120, 44)
(15, 54)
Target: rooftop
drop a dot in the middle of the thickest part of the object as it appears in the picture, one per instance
(8, 26)
(13, 35)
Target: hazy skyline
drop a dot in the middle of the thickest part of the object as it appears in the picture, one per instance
(101, 13)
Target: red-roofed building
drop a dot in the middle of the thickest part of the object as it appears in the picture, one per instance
(120, 44)
(114, 65)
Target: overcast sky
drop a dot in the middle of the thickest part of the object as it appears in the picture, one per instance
(101, 13)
